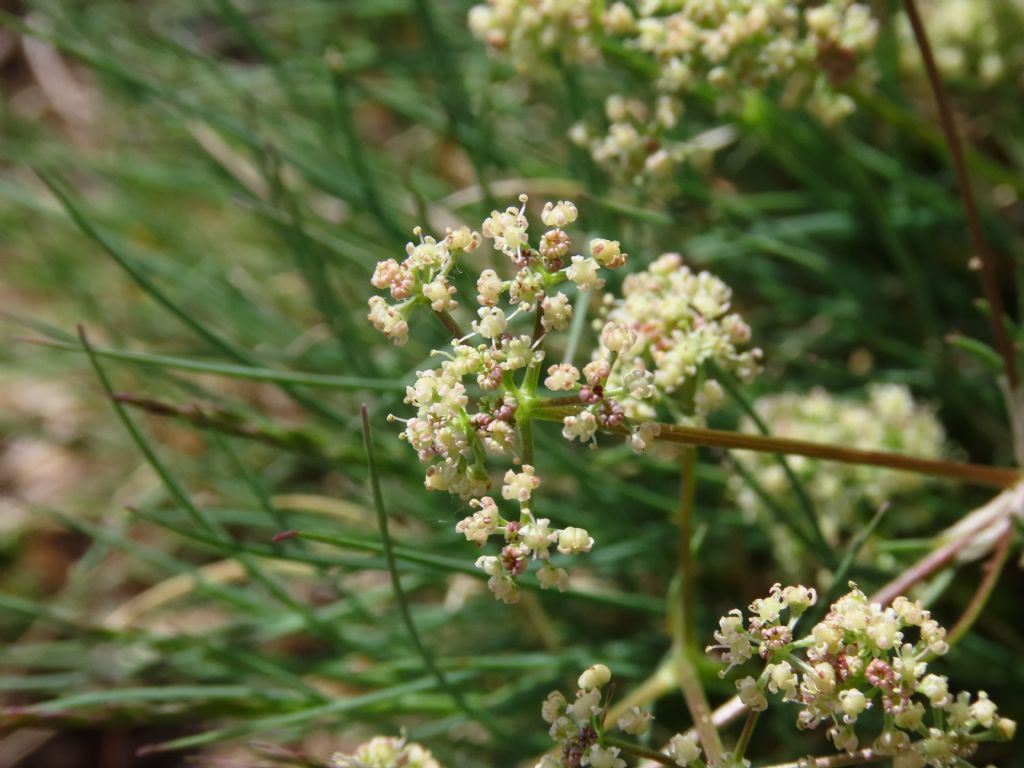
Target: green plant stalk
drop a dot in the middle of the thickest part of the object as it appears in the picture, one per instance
(343, 113)
(744, 740)
(637, 751)
(220, 420)
(839, 577)
(996, 477)
(196, 513)
(472, 133)
(681, 616)
(161, 298)
(313, 380)
(400, 596)
(687, 565)
(689, 681)
(525, 439)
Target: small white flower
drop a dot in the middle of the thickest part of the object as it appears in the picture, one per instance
(439, 293)
(852, 702)
(640, 384)
(603, 757)
(572, 541)
(538, 537)
(751, 695)
(984, 710)
(520, 485)
(635, 721)
(587, 705)
(594, 676)
(489, 564)
(936, 688)
(551, 577)
(488, 287)
(492, 322)
(580, 427)
(562, 377)
(583, 272)
(618, 337)
(607, 253)
(683, 748)
(553, 707)
(560, 215)
(504, 589)
(782, 678)
(557, 312)
(643, 434)
(462, 239)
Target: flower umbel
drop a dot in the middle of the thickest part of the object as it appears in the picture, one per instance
(583, 737)
(860, 656)
(454, 432)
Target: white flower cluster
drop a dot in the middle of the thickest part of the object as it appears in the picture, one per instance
(422, 277)
(890, 420)
(859, 656)
(526, 28)
(579, 727)
(970, 41)
(453, 434)
(676, 322)
(386, 752)
(807, 51)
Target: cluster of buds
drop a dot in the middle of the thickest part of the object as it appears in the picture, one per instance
(526, 538)
(455, 434)
(807, 52)
(421, 278)
(386, 752)
(890, 420)
(680, 325)
(579, 727)
(525, 28)
(860, 656)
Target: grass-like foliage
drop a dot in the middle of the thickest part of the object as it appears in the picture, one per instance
(688, 317)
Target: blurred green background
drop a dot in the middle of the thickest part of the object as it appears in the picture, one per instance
(205, 186)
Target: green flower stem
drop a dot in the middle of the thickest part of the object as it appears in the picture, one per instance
(748, 730)
(400, 597)
(682, 620)
(637, 751)
(687, 566)
(979, 474)
(525, 428)
(250, 373)
(689, 681)
(661, 682)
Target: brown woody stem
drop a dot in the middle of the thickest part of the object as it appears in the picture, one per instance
(449, 322)
(993, 568)
(979, 474)
(989, 279)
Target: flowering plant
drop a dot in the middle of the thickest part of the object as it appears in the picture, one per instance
(654, 349)
(720, 50)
